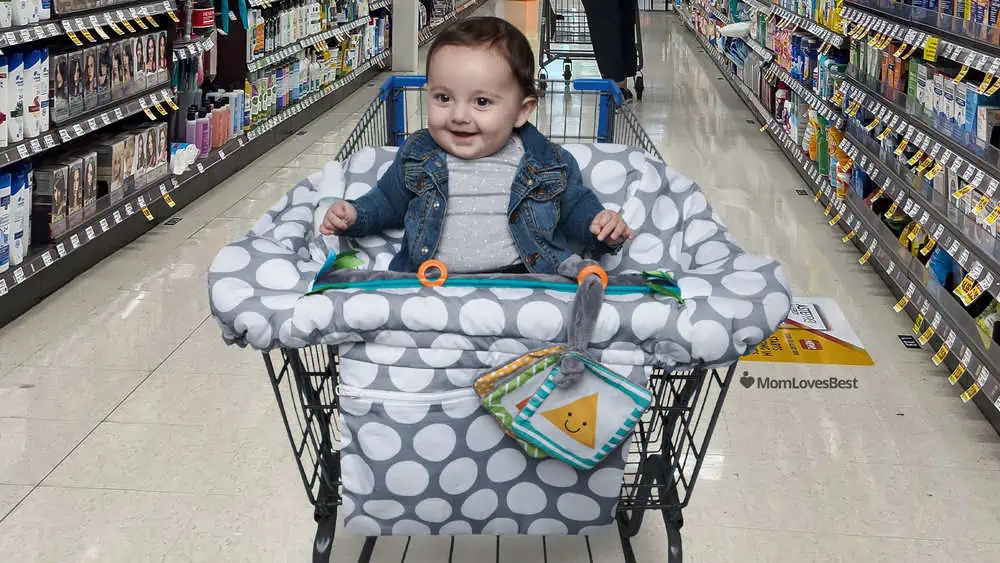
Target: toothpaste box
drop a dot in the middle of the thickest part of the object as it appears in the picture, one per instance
(937, 94)
(960, 113)
(948, 106)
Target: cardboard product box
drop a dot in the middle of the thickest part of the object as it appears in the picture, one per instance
(48, 204)
(960, 113)
(104, 74)
(89, 184)
(948, 104)
(162, 147)
(75, 193)
(937, 101)
(59, 88)
(110, 154)
(126, 85)
(163, 61)
(117, 71)
(924, 89)
(76, 84)
(128, 163)
(139, 64)
(90, 57)
(987, 119)
(139, 158)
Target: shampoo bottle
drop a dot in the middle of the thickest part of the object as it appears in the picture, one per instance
(32, 95)
(4, 109)
(16, 216)
(43, 89)
(4, 222)
(204, 139)
(15, 98)
(191, 127)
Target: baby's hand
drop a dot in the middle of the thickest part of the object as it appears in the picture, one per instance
(338, 218)
(610, 225)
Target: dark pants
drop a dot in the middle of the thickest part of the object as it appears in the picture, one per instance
(612, 33)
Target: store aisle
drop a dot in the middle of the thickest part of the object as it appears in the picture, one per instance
(128, 432)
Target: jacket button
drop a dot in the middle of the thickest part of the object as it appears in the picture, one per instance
(530, 182)
(437, 204)
(531, 259)
(424, 250)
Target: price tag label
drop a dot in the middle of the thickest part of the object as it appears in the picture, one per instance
(22, 151)
(47, 259)
(75, 241)
(956, 374)
(117, 215)
(77, 129)
(49, 141)
(61, 249)
(119, 114)
(142, 201)
(200, 167)
(129, 210)
(92, 123)
(105, 119)
(104, 225)
(91, 235)
(36, 145)
(222, 154)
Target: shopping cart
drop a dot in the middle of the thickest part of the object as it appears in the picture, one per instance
(670, 441)
(564, 34)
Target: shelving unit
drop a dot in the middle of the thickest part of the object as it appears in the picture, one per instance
(900, 152)
(118, 18)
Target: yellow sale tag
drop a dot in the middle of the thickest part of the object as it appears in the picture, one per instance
(963, 288)
(993, 89)
(763, 128)
(852, 110)
(169, 200)
(994, 215)
(902, 146)
(173, 16)
(892, 210)
(899, 52)
(128, 26)
(980, 205)
(140, 23)
(956, 374)
(848, 237)
(923, 165)
(886, 43)
(918, 324)
(152, 21)
(970, 393)
(909, 53)
(115, 28)
(159, 107)
(885, 133)
(872, 125)
(928, 247)
(972, 295)
(147, 213)
(878, 193)
(76, 40)
(926, 336)
(149, 114)
(172, 104)
(934, 171)
(835, 220)
(986, 83)
(930, 49)
(912, 236)
(901, 304)
(942, 353)
(964, 191)
(961, 74)
(864, 257)
(816, 197)
(916, 156)
(89, 36)
(829, 208)
(875, 40)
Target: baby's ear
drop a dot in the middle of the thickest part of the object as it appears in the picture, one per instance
(527, 106)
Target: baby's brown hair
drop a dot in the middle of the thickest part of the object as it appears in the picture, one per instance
(494, 33)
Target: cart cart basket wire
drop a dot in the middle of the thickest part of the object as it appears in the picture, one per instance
(375, 384)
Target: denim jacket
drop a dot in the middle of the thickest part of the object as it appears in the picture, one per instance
(549, 213)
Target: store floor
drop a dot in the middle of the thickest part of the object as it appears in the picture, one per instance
(129, 433)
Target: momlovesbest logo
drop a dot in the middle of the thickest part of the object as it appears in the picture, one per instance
(795, 383)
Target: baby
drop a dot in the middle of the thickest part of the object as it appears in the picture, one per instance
(481, 189)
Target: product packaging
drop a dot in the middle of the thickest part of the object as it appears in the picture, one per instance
(89, 184)
(19, 13)
(163, 58)
(5, 180)
(128, 163)
(90, 57)
(74, 61)
(59, 89)
(103, 74)
(74, 187)
(110, 153)
(49, 204)
(32, 94)
(117, 71)
(162, 148)
(15, 98)
(17, 215)
(152, 59)
(139, 60)
(139, 159)
(4, 111)
(5, 13)
(44, 120)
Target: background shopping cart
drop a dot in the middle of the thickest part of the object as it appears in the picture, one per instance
(670, 441)
(564, 34)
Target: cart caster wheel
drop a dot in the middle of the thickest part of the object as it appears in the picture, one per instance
(326, 528)
(639, 87)
(567, 70)
(541, 84)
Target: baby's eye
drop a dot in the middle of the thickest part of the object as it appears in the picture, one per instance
(443, 98)
(482, 102)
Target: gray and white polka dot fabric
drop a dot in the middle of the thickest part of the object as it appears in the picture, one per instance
(419, 454)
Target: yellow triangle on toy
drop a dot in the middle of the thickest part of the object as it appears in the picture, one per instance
(577, 419)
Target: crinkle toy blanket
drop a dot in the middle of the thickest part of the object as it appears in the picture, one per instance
(732, 300)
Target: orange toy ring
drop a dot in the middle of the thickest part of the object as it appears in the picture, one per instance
(432, 265)
(597, 271)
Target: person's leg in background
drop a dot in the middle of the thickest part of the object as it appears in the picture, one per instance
(605, 18)
(630, 54)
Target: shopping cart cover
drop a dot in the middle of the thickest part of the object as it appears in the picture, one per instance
(732, 300)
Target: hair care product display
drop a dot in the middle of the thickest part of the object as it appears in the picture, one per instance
(890, 111)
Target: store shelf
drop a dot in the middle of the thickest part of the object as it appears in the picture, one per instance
(338, 33)
(981, 38)
(88, 123)
(971, 245)
(91, 20)
(193, 48)
(463, 10)
(933, 137)
(763, 8)
(823, 107)
(115, 225)
(805, 24)
(379, 4)
(763, 52)
(903, 273)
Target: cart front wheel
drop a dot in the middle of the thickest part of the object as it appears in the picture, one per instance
(326, 529)
(639, 87)
(567, 70)
(542, 84)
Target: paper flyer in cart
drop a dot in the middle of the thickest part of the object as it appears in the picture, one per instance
(816, 332)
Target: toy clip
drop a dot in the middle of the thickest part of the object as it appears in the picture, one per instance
(432, 265)
(592, 269)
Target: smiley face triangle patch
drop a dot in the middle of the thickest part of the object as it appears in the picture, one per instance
(577, 419)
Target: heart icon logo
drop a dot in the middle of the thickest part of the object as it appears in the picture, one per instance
(746, 380)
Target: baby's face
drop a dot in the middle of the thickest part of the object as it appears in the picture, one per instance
(475, 101)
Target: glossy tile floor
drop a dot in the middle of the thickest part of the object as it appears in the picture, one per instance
(129, 433)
